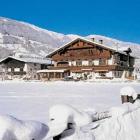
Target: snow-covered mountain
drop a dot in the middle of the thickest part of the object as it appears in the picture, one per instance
(22, 38)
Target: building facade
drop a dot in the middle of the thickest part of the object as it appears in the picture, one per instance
(137, 69)
(86, 59)
(22, 68)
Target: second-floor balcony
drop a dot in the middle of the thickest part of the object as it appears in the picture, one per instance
(93, 68)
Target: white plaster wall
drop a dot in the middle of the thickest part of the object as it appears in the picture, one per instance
(110, 61)
(55, 63)
(96, 62)
(85, 63)
(109, 74)
(69, 63)
(25, 68)
(73, 63)
(29, 67)
(9, 69)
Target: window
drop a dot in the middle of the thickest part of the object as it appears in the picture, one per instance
(34, 64)
(21, 69)
(17, 69)
(91, 63)
(103, 74)
(79, 63)
(102, 61)
(12, 69)
(118, 74)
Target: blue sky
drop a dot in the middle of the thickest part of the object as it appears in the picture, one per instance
(119, 19)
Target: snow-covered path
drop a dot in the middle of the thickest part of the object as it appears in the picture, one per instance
(31, 100)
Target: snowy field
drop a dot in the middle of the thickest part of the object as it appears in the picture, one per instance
(31, 100)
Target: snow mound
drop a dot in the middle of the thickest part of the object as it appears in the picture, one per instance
(123, 125)
(61, 115)
(129, 91)
(14, 129)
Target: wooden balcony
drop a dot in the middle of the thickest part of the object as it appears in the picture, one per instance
(93, 68)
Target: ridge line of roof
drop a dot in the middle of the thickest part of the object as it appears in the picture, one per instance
(26, 60)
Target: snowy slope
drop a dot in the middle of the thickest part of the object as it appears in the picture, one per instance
(20, 37)
(23, 38)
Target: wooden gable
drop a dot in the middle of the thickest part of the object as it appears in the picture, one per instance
(79, 44)
(81, 49)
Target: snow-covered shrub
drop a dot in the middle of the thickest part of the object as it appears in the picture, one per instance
(129, 91)
(14, 129)
(62, 115)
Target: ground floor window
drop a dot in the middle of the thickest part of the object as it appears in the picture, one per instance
(118, 74)
(103, 74)
(58, 75)
(91, 63)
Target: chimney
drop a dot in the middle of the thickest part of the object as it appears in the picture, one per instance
(93, 39)
(101, 41)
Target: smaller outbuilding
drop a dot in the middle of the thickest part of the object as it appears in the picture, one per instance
(22, 68)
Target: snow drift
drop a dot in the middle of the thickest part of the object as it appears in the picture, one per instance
(123, 124)
(62, 115)
(14, 129)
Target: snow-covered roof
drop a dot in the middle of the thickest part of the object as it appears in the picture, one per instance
(48, 70)
(29, 60)
(86, 40)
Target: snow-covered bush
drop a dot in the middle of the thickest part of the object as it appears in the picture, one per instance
(14, 129)
(129, 91)
(62, 115)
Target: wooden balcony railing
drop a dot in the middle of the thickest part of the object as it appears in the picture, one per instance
(93, 68)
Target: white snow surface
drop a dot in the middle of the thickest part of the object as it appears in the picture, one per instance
(14, 129)
(124, 126)
(32, 100)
